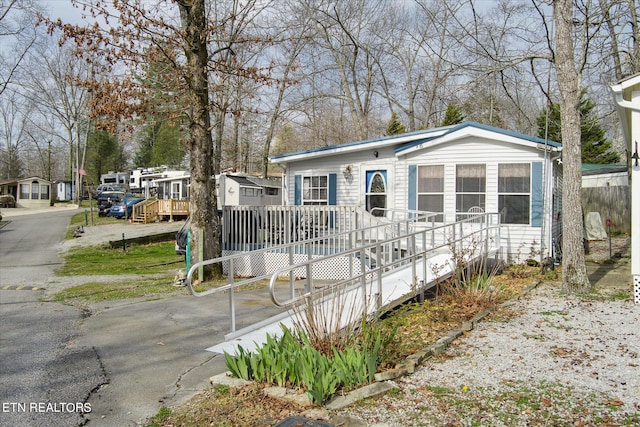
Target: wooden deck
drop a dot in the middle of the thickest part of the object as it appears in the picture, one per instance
(159, 210)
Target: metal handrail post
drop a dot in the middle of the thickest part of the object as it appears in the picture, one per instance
(363, 276)
(485, 222)
(412, 244)
(232, 306)
(292, 291)
(309, 258)
(350, 255)
(379, 267)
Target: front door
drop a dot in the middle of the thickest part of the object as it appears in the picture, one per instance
(376, 191)
(176, 190)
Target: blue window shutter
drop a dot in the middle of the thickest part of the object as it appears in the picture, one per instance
(297, 190)
(412, 187)
(537, 194)
(333, 184)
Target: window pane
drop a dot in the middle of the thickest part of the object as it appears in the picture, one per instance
(24, 191)
(376, 201)
(44, 192)
(514, 209)
(314, 190)
(35, 191)
(431, 179)
(470, 178)
(464, 202)
(431, 202)
(514, 178)
(377, 184)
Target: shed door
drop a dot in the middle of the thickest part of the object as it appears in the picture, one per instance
(376, 191)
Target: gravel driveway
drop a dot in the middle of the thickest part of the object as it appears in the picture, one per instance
(560, 361)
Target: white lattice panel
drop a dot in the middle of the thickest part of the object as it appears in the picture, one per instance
(262, 263)
(636, 289)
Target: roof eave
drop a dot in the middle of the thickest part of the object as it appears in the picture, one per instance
(355, 147)
(475, 131)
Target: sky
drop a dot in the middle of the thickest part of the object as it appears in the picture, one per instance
(64, 10)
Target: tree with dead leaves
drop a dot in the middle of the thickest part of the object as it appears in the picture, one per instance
(195, 39)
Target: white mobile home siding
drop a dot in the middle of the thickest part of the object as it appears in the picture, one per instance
(463, 144)
(517, 238)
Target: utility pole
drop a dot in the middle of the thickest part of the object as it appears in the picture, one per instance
(49, 162)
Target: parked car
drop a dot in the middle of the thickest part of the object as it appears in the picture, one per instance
(103, 188)
(7, 201)
(124, 209)
(107, 199)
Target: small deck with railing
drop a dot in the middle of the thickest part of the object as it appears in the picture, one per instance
(158, 210)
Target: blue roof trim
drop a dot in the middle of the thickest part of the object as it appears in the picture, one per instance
(427, 137)
(365, 142)
(463, 125)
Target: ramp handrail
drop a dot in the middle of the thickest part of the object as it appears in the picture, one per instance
(414, 253)
(352, 236)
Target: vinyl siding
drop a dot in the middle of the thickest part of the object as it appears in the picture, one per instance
(519, 240)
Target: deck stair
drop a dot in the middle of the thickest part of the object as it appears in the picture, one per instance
(145, 212)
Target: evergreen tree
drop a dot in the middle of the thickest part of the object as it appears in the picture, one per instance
(395, 127)
(595, 146)
(104, 154)
(160, 145)
(453, 115)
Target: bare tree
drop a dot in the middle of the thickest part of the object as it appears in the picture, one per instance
(344, 34)
(51, 83)
(198, 44)
(574, 273)
(18, 34)
(14, 113)
(293, 38)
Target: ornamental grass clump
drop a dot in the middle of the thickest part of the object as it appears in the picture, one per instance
(472, 282)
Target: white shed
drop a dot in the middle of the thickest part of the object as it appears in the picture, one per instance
(449, 170)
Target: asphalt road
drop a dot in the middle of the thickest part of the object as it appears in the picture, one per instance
(124, 359)
(44, 379)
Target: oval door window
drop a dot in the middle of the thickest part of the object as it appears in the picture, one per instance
(376, 192)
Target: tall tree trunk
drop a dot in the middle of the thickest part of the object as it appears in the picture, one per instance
(574, 272)
(202, 203)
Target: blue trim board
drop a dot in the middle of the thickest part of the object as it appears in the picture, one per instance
(537, 194)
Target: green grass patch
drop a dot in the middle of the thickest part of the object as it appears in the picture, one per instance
(88, 219)
(160, 418)
(119, 289)
(137, 259)
(438, 390)
(603, 295)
